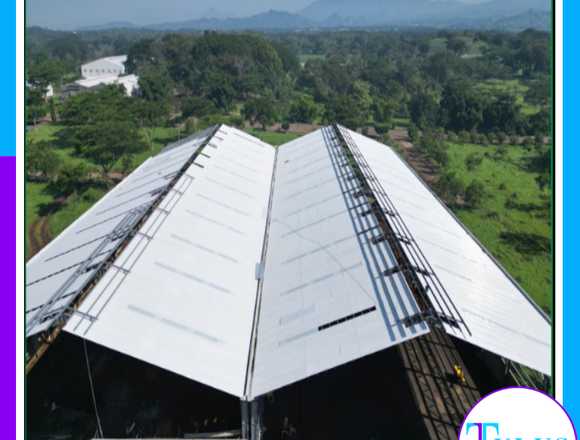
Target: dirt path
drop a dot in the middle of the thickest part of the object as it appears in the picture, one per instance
(38, 236)
(424, 166)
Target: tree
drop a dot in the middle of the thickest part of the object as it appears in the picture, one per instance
(303, 109)
(475, 193)
(473, 161)
(71, 179)
(456, 44)
(450, 187)
(35, 106)
(198, 106)
(110, 141)
(45, 72)
(155, 85)
(502, 114)
(434, 147)
(540, 122)
(261, 110)
(384, 110)
(424, 110)
(150, 113)
(461, 107)
(343, 109)
(41, 160)
(219, 89)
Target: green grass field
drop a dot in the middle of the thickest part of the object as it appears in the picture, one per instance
(519, 234)
(156, 138)
(36, 198)
(272, 137)
(514, 87)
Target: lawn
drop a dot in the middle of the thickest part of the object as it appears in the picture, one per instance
(273, 137)
(36, 198)
(155, 137)
(518, 233)
(73, 209)
(512, 86)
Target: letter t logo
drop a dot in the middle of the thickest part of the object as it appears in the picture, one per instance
(482, 429)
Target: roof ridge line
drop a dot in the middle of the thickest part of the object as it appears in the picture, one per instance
(247, 395)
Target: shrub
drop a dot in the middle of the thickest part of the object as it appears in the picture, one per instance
(473, 161)
(474, 193)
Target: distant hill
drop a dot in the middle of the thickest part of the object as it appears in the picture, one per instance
(107, 26)
(507, 15)
(266, 20)
(531, 19)
(425, 12)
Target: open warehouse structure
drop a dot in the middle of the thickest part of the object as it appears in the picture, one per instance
(248, 268)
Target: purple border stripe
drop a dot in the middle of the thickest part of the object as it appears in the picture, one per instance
(8, 295)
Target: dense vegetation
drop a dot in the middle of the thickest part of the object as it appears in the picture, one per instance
(475, 106)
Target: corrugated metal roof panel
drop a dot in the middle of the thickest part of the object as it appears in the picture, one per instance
(502, 319)
(324, 300)
(185, 300)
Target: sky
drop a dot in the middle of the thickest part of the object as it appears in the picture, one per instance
(72, 14)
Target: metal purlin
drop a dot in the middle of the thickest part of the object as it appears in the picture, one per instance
(123, 233)
(367, 230)
(434, 301)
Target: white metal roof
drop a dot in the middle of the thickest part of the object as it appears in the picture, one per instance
(324, 301)
(259, 267)
(184, 293)
(59, 264)
(500, 316)
(118, 60)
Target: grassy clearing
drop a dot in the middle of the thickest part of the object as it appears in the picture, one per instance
(75, 206)
(401, 122)
(273, 137)
(36, 198)
(305, 57)
(155, 137)
(517, 234)
(514, 87)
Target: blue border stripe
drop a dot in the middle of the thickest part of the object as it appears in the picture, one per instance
(8, 77)
(571, 237)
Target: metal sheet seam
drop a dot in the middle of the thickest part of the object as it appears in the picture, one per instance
(257, 306)
(473, 237)
(420, 264)
(136, 219)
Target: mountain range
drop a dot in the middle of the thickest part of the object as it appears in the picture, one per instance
(510, 15)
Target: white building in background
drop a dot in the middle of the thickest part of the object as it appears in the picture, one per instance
(49, 92)
(129, 82)
(104, 67)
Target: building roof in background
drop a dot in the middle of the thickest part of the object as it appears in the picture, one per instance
(130, 82)
(119, 60)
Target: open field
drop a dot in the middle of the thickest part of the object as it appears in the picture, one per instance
(36, 198)
(273, 137)
(517, 232)
(514, 87)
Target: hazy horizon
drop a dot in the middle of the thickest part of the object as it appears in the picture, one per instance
(72, 14)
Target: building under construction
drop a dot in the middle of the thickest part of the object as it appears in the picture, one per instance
(292, 283)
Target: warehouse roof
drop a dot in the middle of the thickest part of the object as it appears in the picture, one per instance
(247, 268)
